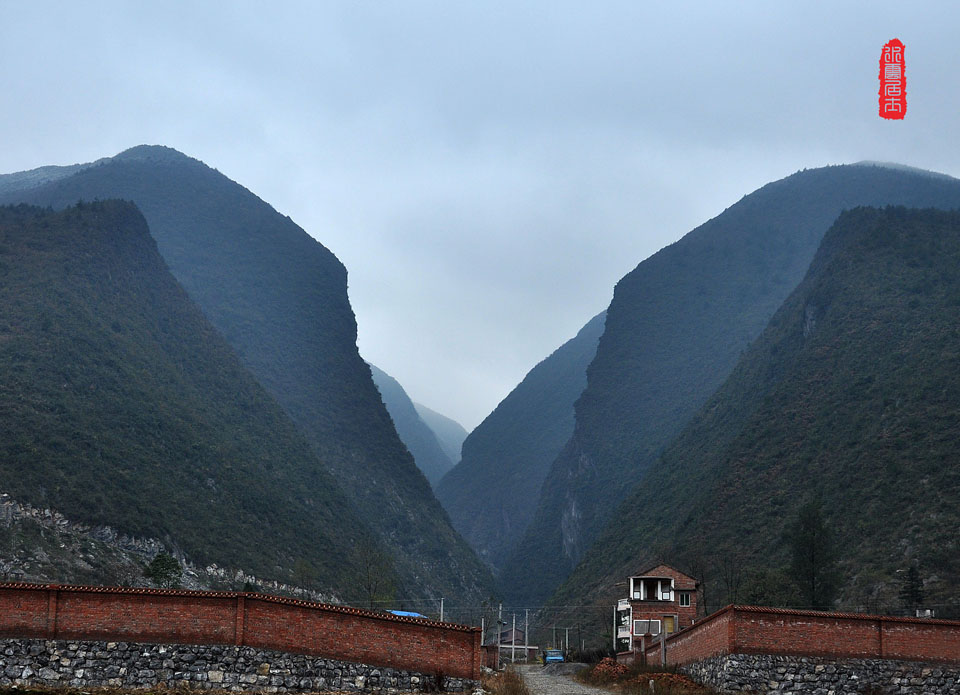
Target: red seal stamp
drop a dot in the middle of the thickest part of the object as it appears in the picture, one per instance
(893, 81)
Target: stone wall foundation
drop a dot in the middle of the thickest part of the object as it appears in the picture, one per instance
(762, 673)
(82, 664)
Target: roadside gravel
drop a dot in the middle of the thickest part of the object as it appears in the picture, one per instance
(544, 683)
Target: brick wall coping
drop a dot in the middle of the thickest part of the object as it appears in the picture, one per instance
(833, 614)
(270, 598)
(813, 614)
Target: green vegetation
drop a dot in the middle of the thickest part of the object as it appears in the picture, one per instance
(280, 300)
(911, 592)
(490, 495)
(813, 556)
(414, 432)
(165, 572)
(851, 396)
(675, 329)
(121, 405)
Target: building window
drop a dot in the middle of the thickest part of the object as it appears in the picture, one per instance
(684, 599)
(643, 627)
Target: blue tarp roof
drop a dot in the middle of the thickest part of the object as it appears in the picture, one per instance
(408, 614)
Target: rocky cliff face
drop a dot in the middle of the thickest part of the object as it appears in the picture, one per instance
(44, 546)
(491, 495)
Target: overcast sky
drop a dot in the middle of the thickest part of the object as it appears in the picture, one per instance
(486, 171)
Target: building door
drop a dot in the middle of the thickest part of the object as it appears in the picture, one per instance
(669, 624)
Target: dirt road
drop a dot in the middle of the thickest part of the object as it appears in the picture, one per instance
(541, 683)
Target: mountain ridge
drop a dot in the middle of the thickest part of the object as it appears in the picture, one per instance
(448, 431)
(122, 406)
(675, 329)
(490, 495)
(850, 396)
(419, 438)
(279, 297)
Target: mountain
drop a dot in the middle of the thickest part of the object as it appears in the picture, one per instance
(492, 493)
(850, 397)
(280, 299)
(676, 327)
(449, 433)
(121, 406)
(414, 432)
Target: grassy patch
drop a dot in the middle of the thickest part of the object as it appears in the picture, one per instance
(507, 682)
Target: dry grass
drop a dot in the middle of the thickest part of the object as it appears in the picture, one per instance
(636, 679)
(507, 682)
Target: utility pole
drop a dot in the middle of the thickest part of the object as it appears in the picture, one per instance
(513, 640)
(615, 625)
(526, 634)
(499, 630)
(554, 636)
(441, 610)
(567, 639)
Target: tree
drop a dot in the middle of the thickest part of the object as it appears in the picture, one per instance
(375, 579)
(911, 591)
(813, 556)
(304, 575)
(164, 571)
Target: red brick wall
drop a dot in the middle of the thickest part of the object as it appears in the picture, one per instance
(921, 640)
(808, 635)
(358, 637)
(708, 639)
(150, 617)
(256, 620)
(658, 610)
(23, 613)
(756, 630)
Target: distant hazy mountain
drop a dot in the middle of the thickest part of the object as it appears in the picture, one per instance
(492, 493)
(121, 405)
(674, 330)
(419, 438)
(25, 180)
(450, 433)
(850, 396)
(279, 297)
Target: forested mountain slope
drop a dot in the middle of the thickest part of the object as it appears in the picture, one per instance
(675, 329)
(280, 299)
(121, 405)
(851, 396)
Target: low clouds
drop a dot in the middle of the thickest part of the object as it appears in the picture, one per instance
(486, 171)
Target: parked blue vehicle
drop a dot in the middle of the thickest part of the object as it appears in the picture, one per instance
(552, 655)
